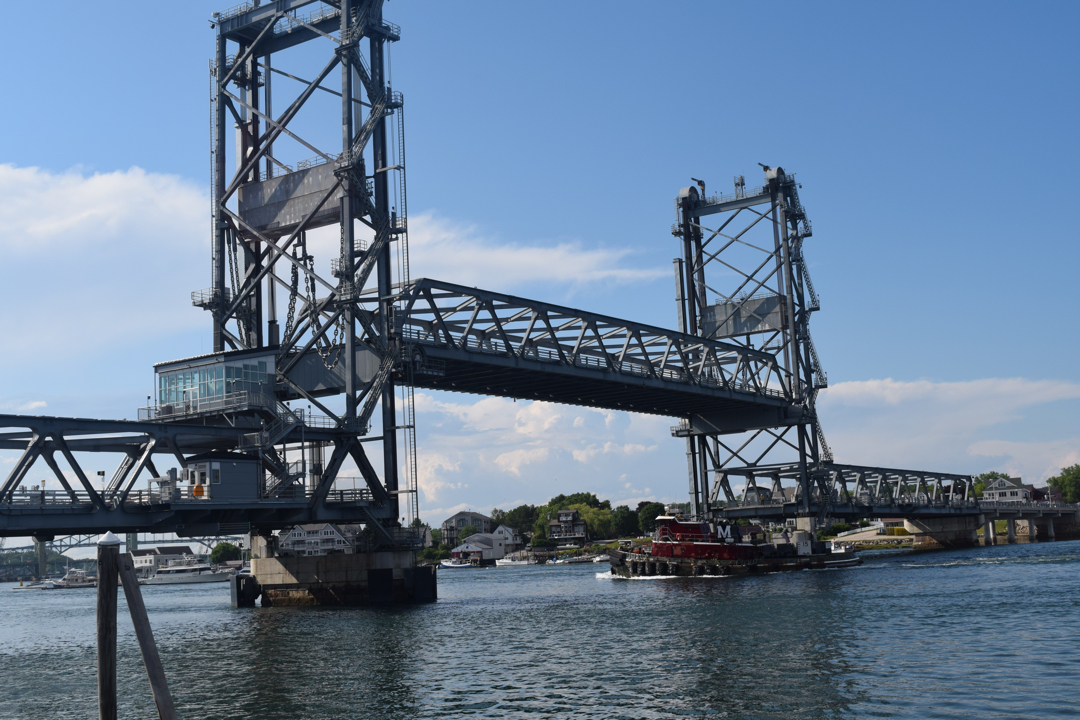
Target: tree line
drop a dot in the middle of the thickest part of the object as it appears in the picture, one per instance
(602, 520)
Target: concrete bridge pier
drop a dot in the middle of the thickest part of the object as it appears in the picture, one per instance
(41, 554)
(1011, 525)
(1049, 528)
(383, 577)
(1031, 531)
(942, 533)
(989, 532)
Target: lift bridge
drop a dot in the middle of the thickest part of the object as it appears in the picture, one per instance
(740, 375)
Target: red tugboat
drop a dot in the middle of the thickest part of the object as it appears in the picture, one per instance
(685, 547)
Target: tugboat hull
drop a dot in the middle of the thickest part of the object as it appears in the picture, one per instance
(629, 565)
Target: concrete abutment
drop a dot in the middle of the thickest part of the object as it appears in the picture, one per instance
(942, 533)
(383, 577)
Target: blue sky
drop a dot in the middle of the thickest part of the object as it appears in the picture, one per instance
(936, 143)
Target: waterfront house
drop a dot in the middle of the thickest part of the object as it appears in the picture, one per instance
(485, 547)
(453, 525)
(318, 539)
(567, 528)
(511, 538)
(1006, 490)
(490, 546)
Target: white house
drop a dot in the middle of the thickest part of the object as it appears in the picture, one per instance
(317, 539)
(1006, 490)
(511, 539)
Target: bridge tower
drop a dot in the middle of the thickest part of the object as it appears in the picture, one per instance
(744, 253)
(284, 179)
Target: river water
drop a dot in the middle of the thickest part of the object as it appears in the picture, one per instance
(984, 632)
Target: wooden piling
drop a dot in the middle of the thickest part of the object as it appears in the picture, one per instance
(107, 562)
(145, 635)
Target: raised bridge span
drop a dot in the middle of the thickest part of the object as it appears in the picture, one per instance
(739, 376)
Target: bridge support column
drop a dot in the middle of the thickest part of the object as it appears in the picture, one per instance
(989, 533)
(1049, 528)
(383, 577)
(41, 553)
(1011, 525)
(1031, 531)
(941, 533)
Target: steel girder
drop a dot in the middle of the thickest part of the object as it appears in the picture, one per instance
(120, 508)
(470, 340)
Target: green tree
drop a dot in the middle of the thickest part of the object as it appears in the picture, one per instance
(625, 522)
(466, 532)
(539, 535)
(563, 502)
(522, 518)
(498, 517)
(436, 535)
(597, 520)
(647, 513)
(983, 479)
(1068, 482)
(223, 552)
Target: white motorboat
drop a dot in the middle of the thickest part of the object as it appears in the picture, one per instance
(186, 571)
(507, 562)
(457, 564)
(76, 578)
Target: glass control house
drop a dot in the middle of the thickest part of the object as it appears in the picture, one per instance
(219, 382)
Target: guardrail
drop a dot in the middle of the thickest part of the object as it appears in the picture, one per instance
(217, 403)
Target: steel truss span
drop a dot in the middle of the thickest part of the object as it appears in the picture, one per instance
(477, 341)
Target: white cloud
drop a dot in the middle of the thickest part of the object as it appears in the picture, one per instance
(965, 426)
(93, 260)
(513, 461)
(33, 405)
(587, 454)
(458, 253)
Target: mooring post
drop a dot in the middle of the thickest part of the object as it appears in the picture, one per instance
(145, 635)
(107, 569)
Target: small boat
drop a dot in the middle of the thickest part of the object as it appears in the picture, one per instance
(186, 571)
(457, 564)
(601, 558)
(76, 578)
(507, 562)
